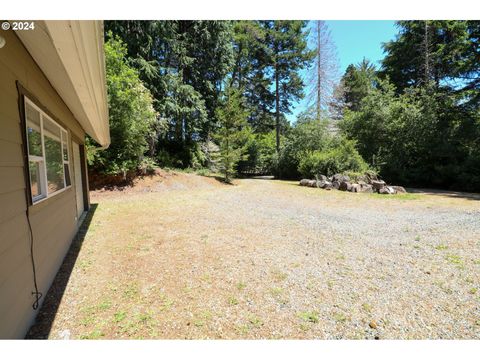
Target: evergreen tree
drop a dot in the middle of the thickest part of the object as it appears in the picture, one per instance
(233, 132)
(287, 45)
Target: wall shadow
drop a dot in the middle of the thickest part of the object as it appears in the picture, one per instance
(46, 315)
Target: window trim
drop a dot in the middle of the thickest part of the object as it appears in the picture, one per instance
(43, 184)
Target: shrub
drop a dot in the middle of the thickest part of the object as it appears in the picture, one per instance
(131, 114)
(339, 158)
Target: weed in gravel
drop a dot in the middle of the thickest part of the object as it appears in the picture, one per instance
(241, 285)
(165, 302)
(255, 321)
(367, 307)
(476, 262)
(309, 316)
(279, 276)
(276, 291)
(95, 334)
(119, 316)
(454, 259)
(145, 317)
(441, 247)
(444, 287)
(330, 284)
(207, 278)
(473, 291)
(469, 280)
(131, 291)
(339, 317)
(85, 264)
(243, 329)
(417, 238)
(232, 300)
(105, 305)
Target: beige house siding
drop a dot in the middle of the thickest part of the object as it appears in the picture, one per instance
(53, 220)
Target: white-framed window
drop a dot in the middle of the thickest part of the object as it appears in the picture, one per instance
(48, 153)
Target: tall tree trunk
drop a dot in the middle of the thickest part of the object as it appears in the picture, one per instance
(319, 78)
(427, 54)
(277, 108)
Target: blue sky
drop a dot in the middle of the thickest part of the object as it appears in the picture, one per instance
(355, 39)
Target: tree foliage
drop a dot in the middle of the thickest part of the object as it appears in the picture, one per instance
(233, 132)
(132, 117)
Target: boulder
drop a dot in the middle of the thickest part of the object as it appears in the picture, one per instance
(340, 178)
(321, 177)
(312, 183)
(387, 190)
(378, 184)
(345, 186)
(399, 189)
(304, 182)
(328, 185)
(365, 188)
(355, 188)
(335, 185)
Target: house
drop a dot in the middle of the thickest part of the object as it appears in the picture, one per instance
(52, 93)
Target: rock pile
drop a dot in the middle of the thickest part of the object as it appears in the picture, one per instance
(367, 183)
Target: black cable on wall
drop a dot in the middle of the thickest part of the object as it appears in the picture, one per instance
(28, 196)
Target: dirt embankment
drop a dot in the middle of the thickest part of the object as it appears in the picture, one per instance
(159, 180)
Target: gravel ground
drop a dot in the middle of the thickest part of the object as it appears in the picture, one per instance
(193, 258)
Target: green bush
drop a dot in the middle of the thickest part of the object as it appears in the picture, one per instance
(337, 159)
(131, 115)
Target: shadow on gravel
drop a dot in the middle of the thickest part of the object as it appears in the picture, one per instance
(44, 320)
(447, 193)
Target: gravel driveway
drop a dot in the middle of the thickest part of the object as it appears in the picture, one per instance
(270, 259)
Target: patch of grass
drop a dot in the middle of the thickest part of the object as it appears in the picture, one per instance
(276, 291)
(416, 247)
(444, 287)
(309, 316)
(105, 305)
(119, 316)
(232, 300)
(243, 329)
(206, 277)
(417, 238)
(304, 327)
(255, 321)
(406, 196)
(241, 285)
(441, 247)
(95, 334)
(476, 262)
(145, 317)
(454, 259)
(165, 302)
(473, 291)
(203, 172)
(367, 307)
(339, 317)
(330, 284)
(130, 291)
(206, 314)
(469, 280)
(279, 276)
(85, 264)
(198, 323)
